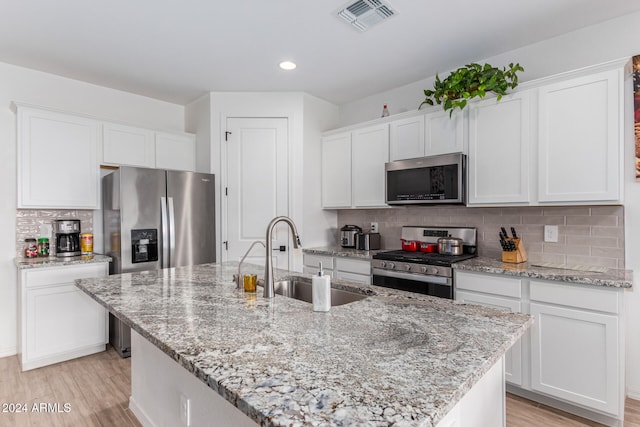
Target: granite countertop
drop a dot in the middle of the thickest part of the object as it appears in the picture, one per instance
(394, 357)
(342, 252)
(53, 261)
(610, 277)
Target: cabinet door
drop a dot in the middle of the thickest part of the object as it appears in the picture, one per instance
(443, 133)
(513, 357)
(580, 140)
(177, 152)
(57, 160)
(336, 171)
(574, 356)
(499, 134)
(370, 151)
(62, 319)
(127, 145)
(406, 138)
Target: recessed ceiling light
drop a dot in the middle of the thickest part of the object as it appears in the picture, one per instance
(287, 65)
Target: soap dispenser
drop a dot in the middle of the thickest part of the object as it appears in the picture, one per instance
(321, 291)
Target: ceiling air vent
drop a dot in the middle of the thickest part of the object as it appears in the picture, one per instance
(364, 14)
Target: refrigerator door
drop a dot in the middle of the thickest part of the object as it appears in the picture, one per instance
(141, 194)
(191, 210)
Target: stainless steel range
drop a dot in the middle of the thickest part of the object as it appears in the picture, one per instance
(427, 273)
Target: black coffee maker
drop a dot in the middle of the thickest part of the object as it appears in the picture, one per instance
(67, 237)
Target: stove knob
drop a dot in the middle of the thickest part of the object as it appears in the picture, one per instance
(407, 267)
(392, 266)
(423, 269)
(383, 264)
(434, 270)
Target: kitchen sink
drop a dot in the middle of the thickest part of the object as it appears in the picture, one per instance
(299, 288)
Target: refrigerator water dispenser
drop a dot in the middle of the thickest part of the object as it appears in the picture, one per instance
(144, 245)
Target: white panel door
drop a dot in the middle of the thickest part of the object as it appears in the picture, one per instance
(499, 134)
(406, 138)
(574, 356)
(443, 133)
(369, 153)
(257, 190)
(580, 140)
(57, 160)
(336, 171)
(127, 145)
(176, 152)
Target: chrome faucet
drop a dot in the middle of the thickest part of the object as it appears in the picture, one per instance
(269, 291)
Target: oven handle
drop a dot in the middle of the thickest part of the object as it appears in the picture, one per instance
(415, 277)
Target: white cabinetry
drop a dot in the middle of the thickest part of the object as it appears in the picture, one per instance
(497, 292)
(580, 139)
(175, 151)
(499, 138)
(353, 168)
(444, 134)
(57, 160)
(575, 345)
(369, 153)
(336, 171)
(57, 321)
(406, 138)
(127, 145)
(339, 267)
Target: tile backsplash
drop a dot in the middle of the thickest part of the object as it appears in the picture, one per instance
(28, 222)
(588, 235)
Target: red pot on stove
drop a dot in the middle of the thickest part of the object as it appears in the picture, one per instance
(428, 247)
(410, 245)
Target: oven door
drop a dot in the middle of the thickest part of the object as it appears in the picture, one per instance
(419, 283)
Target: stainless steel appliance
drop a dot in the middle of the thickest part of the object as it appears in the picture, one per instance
(67, 237)
(426, 180)
(155, 219)
(423, 272)
(368, 241)
(348, 235)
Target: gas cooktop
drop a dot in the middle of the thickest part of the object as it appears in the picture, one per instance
(422, 257)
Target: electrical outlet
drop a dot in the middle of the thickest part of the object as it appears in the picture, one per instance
(551, 233)
(374, 227)
(185, 411)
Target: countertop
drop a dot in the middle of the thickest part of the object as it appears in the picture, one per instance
(53, 261)
(611, 277)
(394, 357)
(342, 252)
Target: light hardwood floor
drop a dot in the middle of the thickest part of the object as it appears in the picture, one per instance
(98, 387)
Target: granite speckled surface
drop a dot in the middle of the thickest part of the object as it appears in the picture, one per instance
(394, 358)
(53, 261)
(611, 277)
(342, 252)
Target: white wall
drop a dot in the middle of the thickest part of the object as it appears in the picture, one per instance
(592, 45)
(198, 120)
(34, 87)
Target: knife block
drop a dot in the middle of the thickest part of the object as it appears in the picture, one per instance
(517, 256)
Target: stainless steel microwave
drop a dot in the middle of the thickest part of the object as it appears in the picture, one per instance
(426, 180)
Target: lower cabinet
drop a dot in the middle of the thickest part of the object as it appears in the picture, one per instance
(342, 268)
(58, 321)
(574, 351)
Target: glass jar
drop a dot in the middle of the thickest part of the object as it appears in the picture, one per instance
(30, 248)
(43, 247)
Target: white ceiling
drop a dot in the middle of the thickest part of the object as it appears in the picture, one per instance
(178, 50)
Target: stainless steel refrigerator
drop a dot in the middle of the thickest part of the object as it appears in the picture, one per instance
(155, 219)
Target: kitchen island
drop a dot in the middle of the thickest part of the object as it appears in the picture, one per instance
(393, 358)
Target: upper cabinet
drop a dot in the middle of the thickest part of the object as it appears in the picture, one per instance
(426, 135)
(499, 137)
(127, 145)
(175, 151)
(353, 168)
(580, 139)
(57, 160)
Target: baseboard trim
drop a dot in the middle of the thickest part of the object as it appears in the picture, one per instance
(8, 351)
(139, 413)
(61, 357)
(608, 420)
(635, 395)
